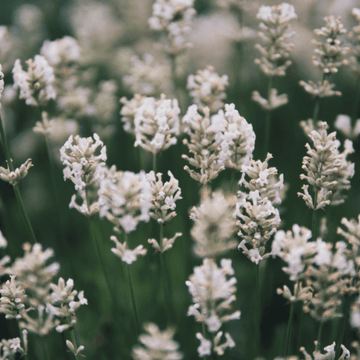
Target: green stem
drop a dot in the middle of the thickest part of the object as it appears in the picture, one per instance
(22, 340)
(154, 163)
(316, 110)
(344, 321)
(16, 187)
(257, 312)
(204, 335)
(268, 121)
(313, 223)
(73, 339)
(45, 348)
(289, 329)
(100, 258)
(319, 336)
(357, 101)
(133, 303)
(300, 329)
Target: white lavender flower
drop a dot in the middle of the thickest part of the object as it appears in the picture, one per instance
(330, 353)
(3, 242)
(76, 352)
(173, 18)
(327, 170)
(262, 178)
(214, 225)
(354, 37)
(213, 294)
(129, 110)
(235, 136)
(147, 76)
(125, 199)
(202, 145)
(257, 224)
(37, 84)
(61, 51)
(34, 274)
(273, 102)
(9, 348)
(293, 247)
(14, 177)
(1, 83)
(343, 123)
(84, 169)
(157, 124)
(126, 255)
(207, 89)
(63, 303)
(279, 14)
(12, 300)
(156, 345)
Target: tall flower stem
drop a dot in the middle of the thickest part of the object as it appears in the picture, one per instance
(154, 163)
(344, 321)
(133, 303)
(268, 121)
(204, 335)
(357, 100)
(319, 335)
(101, 260)
(300, 330)
(289, 329)
(16, 187)
(257, 312)
(73, 339)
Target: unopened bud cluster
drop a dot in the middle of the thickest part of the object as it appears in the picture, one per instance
(14, 177)
(327, 170)
(207, 89)
(213, 291)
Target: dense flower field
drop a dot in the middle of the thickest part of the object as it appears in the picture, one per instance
(179, 179)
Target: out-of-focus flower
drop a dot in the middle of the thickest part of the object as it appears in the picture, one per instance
(173, 18)
(37, 83)
(207, 88)
(156, 345)
(213, 294)
(147, 76)
(214, 224)
(343, 123)
(129, 110)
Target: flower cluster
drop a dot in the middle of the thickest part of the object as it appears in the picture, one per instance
(14, 177)
(84, 169)
(61, 51)
(343, 123)
(128, 111)
(327, 170)
(330, 353)
(122, 251)
(214, 224)
(63, 303)
(257, 224)
(274, 31)
(9, 348)
(37, 84)
(173, 18)
(207, 89)
(202, 146)
(156, 345)
(157, 124)
(213, 294)
(164, 197)
(264, 179)
(147, 76)
(328, 275)
(235, 136)
(329, 56)
(125, 199)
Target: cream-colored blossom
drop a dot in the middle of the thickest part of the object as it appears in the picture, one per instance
(14, 177)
